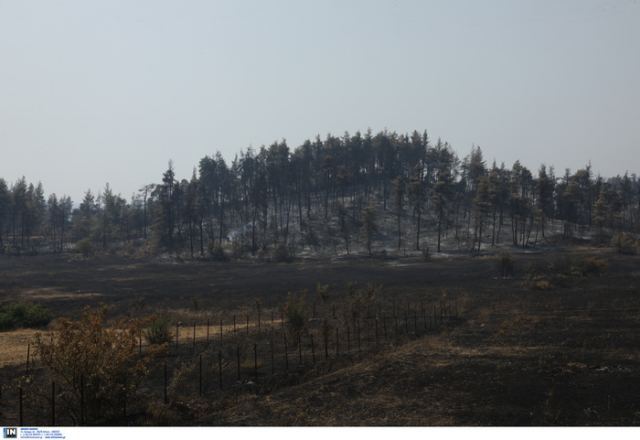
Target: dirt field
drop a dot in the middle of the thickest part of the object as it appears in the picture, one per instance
(567, 355)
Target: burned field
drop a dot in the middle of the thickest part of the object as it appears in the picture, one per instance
(441, 342)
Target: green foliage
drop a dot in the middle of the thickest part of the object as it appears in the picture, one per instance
(16, 315)
(625, 244)
(217, 253)
(282, 254)
(105, 357)
(159, 330)
(296, 314)
(85, 247)
(505, 265)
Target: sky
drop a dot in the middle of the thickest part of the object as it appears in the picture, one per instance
(108, 91)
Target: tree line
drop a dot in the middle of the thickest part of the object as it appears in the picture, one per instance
(334, 193)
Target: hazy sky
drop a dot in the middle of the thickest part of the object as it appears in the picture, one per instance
(109, 91)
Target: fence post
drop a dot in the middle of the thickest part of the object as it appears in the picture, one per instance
(140, 343)
(20, 413)
(375, 321)
(313, 350)
(238, 360)
(358, 332)
(273, 363)
(286, 354)
(208, 324)
(177, 335)
(406, 324)
(255, 361)
(348, 338)
(384, 326)
(166, 382)
(326, 340)
(194, 336)
(234, 324)
(220, 368)
(28, 356)
(337, 341)
(82, 415)
(221, 330)
(415, 322)
(200, 376)
(299, 349)
(53, 403)
(247, 324)
(258, 305)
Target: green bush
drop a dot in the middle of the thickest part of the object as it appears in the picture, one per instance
(217, 253)
(296, 315)
(16, 315)
(281, 254)
(85, 247)
(158, 331)
(505, 265)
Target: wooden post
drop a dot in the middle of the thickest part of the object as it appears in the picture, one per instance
(177, 335)
(234, 324)
(406, 324)
(299, 349)
(286, 355)
(220, 369)
(358, 332)
(28, 355)
(424, 316)
(221, 330)
(325, 334)
(208, 324)
(258, 305)
(376, 328)
(166, 383)
(238, 360)
(415, 322)
(200, 376)
(348, 338)
(194, 336)
(337, 342)
(255, 361)
(384, 326)
(395, 318)
(53, 403)
(82, 415)
(273, 363)
(20, 413)
(140, 342)
(247, 324)
(313, 350)
(333, 311)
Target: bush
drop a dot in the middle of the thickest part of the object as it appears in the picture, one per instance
(505, 265)
(281, 254)
(426, 253)
(105, 358)
(217, 253)
(85, 247)
(23, 315)
(159, 330)
(541, 284)
(625, 244)
(296, 315)
(589, 266)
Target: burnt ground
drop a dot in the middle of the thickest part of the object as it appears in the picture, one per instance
(568, 355)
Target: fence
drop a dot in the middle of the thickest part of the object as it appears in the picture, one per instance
(255, 357)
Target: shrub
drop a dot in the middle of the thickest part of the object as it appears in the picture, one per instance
(281, 254)
(426, 253)
(159, 330)
(106, 358)
(593, 266)
(541, 284)
(217, 253)
(505, 265)
(85, 247)
(296, 315)
(23, 315)
(625, 244)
